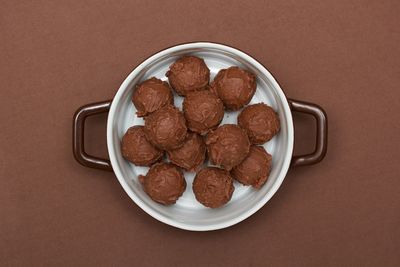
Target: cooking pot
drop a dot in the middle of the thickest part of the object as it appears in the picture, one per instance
(187, 213)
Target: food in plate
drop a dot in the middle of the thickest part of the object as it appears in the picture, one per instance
(227, 146)
(187, 74)
(203, 111)
(235, 87)
(136, 149)
(213, 187)
(260, 121)
(164, 183)
(254, 169)
(166, 128)
(191, 155)
(151, 95)
(231, 147)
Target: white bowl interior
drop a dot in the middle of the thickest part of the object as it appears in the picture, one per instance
(187, 213)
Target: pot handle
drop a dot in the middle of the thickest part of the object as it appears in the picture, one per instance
(79, 136)
(322, 132)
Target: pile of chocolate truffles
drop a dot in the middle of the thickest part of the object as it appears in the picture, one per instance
(189, 136)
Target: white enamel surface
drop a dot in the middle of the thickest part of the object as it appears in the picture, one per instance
(187, 213)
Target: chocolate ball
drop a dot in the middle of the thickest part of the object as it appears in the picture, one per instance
(260, 122)
(137, 149)
(166, 128)
(164, 183)
(191, 154)
(188, 73)
(213, 187)
(227, 146)
(254, 169)
(151, 95)
(235, 87)
(203, 111)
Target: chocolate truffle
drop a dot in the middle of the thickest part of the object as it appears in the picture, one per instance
(191, 154)
(188, 73)
(254, 169)
(227, 146)
(137, 149)
(213, 187)
(203, 111)
(260, 122)
(166, 128)
(164, 183)
(151, 95)
(235, 87)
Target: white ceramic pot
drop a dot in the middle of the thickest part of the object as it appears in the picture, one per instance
(187, 213)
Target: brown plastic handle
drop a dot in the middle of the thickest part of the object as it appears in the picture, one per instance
(79, 136)
(322, 132)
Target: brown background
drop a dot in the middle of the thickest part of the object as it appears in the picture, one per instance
(58, 55)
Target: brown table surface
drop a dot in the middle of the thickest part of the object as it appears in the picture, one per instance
(59, 55)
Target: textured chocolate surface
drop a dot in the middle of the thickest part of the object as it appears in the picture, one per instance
(227, 146)
(235, 87)
(203, 111)
(260, 122)
(187, 74)
(213, 187)
(191, 154)
(136, 148)
(164, 183)
(166, 128)
(151, 95)
(255, 168)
